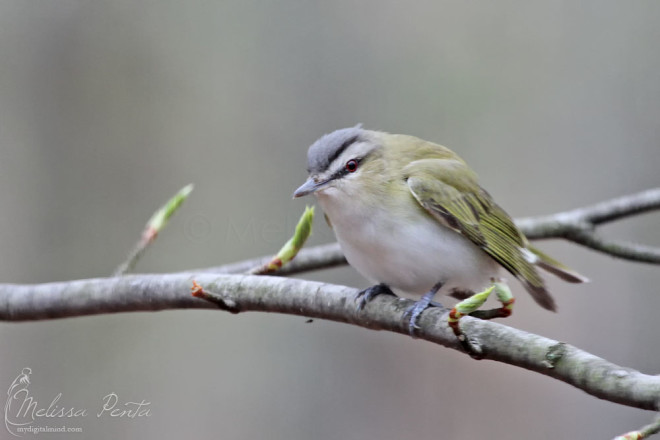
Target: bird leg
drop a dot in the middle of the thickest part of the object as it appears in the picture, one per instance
(416, 309)
(470, 305)
(366, 295)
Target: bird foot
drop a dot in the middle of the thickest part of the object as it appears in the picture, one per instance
(366, 295)
(413, 312)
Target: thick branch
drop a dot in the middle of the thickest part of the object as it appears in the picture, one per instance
(497, 342)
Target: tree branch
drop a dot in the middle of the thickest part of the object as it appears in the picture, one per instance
(578, 225)
(243, 293)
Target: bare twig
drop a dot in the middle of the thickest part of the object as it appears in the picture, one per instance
(155, 224)
(242, 293)
(578, 225)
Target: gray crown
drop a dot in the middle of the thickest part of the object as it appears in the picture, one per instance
(325, 150)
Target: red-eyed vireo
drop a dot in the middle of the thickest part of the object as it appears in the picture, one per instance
(410, 215)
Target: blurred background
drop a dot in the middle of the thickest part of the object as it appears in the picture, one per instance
(109, 107)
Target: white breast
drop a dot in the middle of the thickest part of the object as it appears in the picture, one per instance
(408, 255)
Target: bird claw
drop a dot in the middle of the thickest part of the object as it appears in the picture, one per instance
(366, 295)
(412, 314)
(415, 311)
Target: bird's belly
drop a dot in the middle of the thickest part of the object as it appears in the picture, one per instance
(413, 257)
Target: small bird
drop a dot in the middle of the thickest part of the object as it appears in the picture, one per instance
(410, 216)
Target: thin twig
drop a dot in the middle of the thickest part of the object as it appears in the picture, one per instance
(155, 224)
(135, 254)
(243, 293)
(616, 248)
(578, 225)
(644, 432)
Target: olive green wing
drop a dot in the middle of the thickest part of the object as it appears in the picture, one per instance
(449, 191)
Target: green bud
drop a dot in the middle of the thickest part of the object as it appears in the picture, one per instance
(291, 247)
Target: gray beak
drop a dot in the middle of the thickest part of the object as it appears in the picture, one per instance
(308, 187)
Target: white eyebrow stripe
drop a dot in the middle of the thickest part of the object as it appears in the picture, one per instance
(357, 150)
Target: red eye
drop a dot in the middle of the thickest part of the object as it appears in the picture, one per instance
(351, 165)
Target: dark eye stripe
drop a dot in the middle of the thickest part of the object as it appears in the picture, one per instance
(347, 143)
(341, 172)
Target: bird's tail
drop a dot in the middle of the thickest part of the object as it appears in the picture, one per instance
(553, 266)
